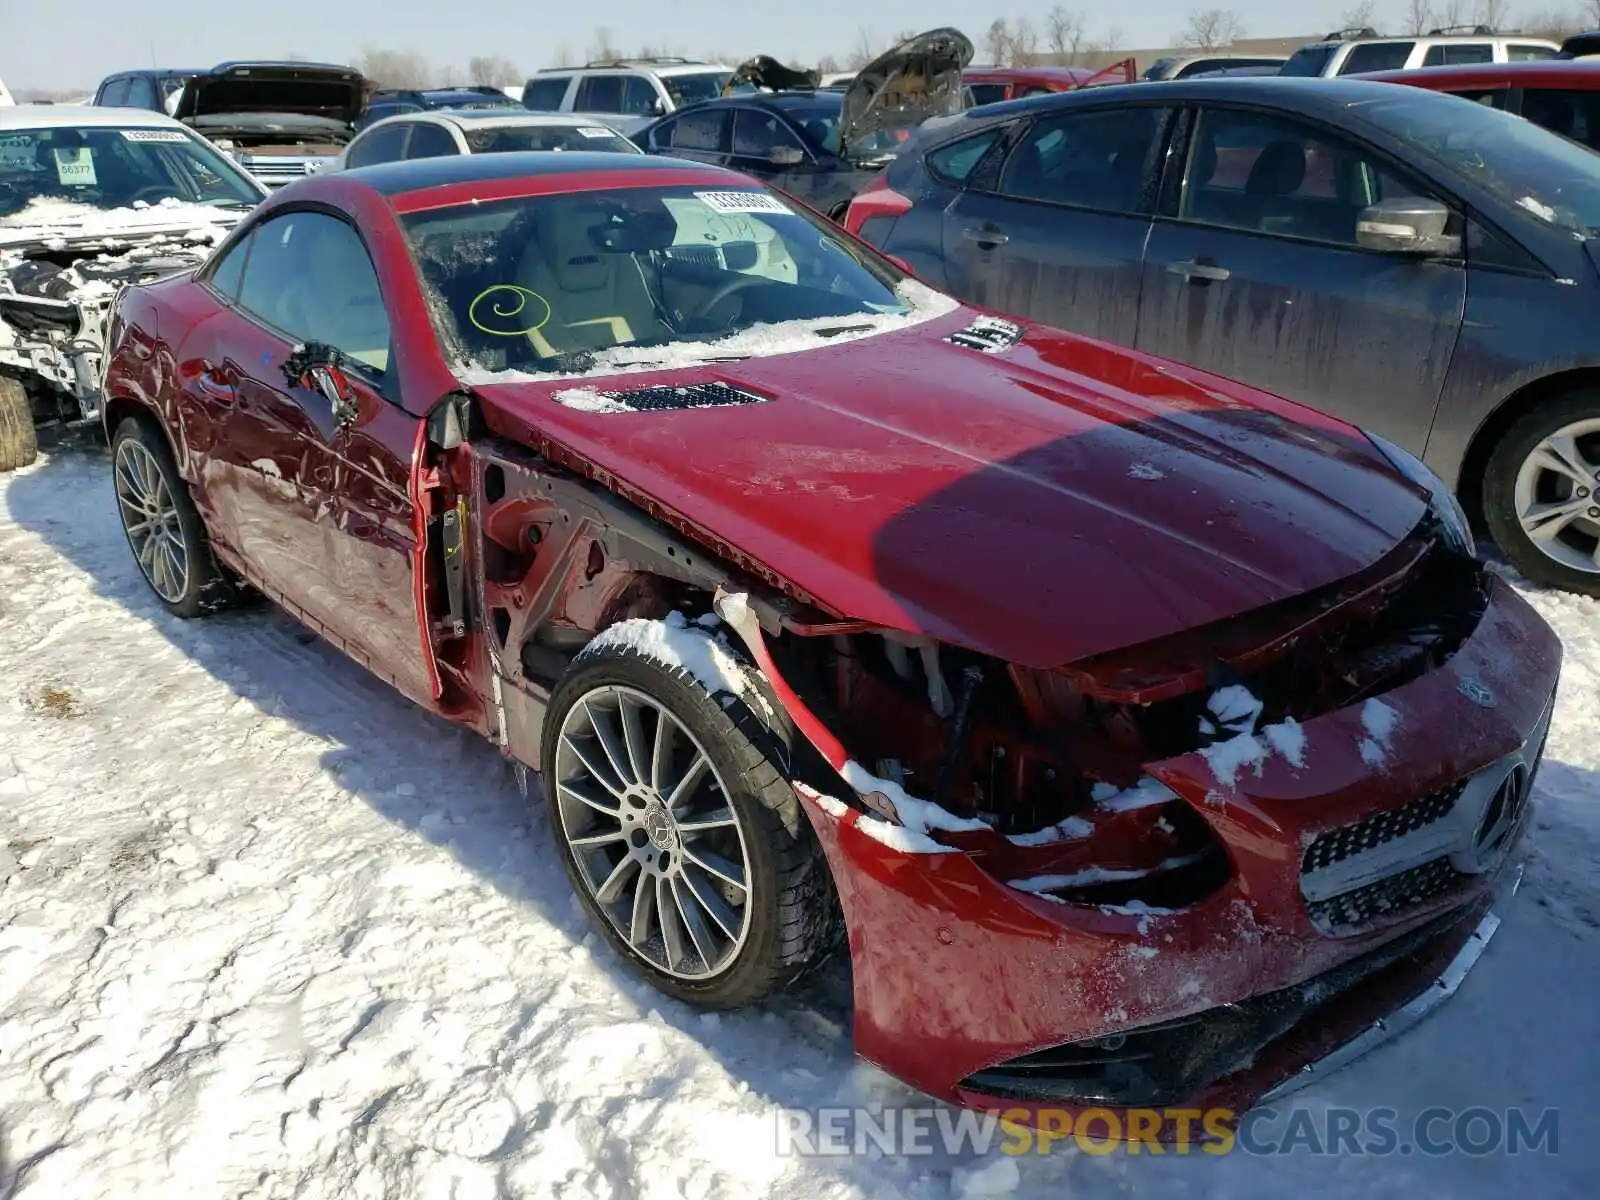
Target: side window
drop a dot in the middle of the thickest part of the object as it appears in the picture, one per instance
(142, 93)
(1488, 97)
(430, 141)
(1516, 52)
(546, 95)
(309, 276)
(1090, 160)
(225, 279)
(1263, 174)
(956, 162)
(757, 134)
(1450, 54)
(379, 146)
(599, 94)
(700, 131)
(638, 95)
(1377, 56)
(1574, 115)
(115, 92)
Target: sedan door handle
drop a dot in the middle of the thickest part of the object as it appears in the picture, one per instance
(1199, 272)
(986, 235)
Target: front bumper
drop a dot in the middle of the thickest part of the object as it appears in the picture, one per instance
(989, 996)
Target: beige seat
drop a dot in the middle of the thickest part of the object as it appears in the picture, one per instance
(597, 300)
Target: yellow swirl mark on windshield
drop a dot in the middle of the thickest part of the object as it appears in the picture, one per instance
(512, 307)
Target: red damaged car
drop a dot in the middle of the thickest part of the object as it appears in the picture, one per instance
(1153, 739)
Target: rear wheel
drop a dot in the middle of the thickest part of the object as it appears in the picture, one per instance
(163, 527)
(19, 444)
(680, 832)
(1539, 493)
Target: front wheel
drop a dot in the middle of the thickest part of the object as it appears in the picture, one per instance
(163, 527)
(680, 833)
(19, 443)
(1539, 496)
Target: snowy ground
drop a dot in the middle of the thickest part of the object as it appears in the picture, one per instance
(267, 930)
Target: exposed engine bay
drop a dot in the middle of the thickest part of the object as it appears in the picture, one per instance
(53, 304)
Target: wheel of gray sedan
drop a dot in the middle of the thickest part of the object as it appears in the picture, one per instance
(680, 833)
(1539, 495)
(19, 444)
(164, 529)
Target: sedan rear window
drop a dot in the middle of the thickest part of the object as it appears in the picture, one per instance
(514, 138)
(956, 161)
(1308, 61)
(1377, 56)
(987, 93)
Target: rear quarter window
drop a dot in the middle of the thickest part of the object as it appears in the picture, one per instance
(955, 162)
(546, 95)
(1377, 56)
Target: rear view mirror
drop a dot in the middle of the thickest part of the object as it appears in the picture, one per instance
(740, 256)
(1411, 225)
(786, 156)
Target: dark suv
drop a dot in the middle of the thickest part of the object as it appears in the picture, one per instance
(1423, 266)
(156, 89)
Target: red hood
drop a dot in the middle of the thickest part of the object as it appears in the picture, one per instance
(1003, 502)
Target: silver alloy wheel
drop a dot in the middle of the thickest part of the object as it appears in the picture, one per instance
(1555, 497)
(655, 837)
(150, 519)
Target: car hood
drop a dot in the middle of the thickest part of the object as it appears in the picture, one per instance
(1051, 502)
(62, 225)
(905, 85)
(336, 93)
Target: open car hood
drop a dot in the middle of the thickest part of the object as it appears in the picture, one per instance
(1581, 45)
(905, 85)
(1058, 500)
(335, 93)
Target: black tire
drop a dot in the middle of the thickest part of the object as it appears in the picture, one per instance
(207, 588)
(1499, 487)
(793, 910)
(19, 444)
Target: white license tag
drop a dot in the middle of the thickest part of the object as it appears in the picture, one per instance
(75, 166)
(155, 135)
(742, 202)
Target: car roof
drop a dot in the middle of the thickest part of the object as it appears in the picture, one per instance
(1309, 93)
(789, 98)
(1582, 74)
(63, 116)
(499, 118)
(235, 64)
(411, 175)
(1022, 74)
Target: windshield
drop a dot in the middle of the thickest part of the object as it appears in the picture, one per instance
(515, 138)
(694, 87)
(572, 283)
(1555, 180)
(116, 168)
(1308, 61)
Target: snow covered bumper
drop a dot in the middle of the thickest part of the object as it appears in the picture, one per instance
(1361, 869)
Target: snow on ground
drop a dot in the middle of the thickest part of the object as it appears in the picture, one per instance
(267, 930)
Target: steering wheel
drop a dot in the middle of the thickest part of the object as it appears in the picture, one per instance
(162, 192)
(737, 283)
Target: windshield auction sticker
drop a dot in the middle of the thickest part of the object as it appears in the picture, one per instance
(75, 166)
(741, 202)
(155, 135)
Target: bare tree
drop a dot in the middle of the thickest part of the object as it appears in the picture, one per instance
(1591, 10)
(494, 70)
(1024, 42)
(866, 49)
(1361, 16)
(395, 68)
(997, 41)
(1496, 14)
(827, 65)
(1114, 40)
(1064, 34)
(603, 48)
(563, 57)
(1557, 26)
(1449, 13)
(1418, 18)
(1211, 29)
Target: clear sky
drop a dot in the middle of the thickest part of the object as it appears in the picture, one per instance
(74, 43)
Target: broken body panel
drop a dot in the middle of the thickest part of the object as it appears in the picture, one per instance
(1151, 700)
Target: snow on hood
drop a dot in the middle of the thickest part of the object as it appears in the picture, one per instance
(47, 219)
(758, 341)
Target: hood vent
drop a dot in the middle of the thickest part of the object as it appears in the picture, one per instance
(991, 335)
(667, 398)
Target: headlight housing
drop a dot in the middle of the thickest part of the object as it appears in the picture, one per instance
(1446, 509)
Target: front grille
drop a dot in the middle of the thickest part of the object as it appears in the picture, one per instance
(1348, 840)
(714, 394)
(1387, 897)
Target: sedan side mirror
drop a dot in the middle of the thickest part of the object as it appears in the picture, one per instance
(1406, 226)
(786, 156)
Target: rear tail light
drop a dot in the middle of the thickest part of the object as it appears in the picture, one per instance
(879, 200)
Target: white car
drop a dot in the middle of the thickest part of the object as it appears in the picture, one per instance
(5, 96)
(92, 199)
(626, 93)
(444, 132)
(1358, 51)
